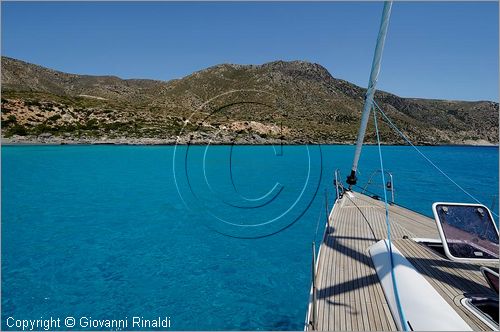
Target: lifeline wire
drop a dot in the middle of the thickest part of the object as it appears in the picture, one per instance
(426, 158)
(402, 316)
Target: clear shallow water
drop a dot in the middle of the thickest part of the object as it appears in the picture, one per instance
(110, 232)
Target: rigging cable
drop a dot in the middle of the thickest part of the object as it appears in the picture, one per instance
(402, 316)
(425, 157)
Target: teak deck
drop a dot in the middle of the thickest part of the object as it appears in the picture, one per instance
(349, 295)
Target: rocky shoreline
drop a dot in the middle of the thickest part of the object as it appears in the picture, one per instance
(27, 140)
(252, 140)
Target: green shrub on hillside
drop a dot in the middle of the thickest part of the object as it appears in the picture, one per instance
(55, 117)
(11, 119)
(16, 129)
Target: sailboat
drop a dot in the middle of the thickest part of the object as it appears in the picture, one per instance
(381, 266)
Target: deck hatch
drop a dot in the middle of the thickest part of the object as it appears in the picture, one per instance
(491, 277)
(484, 308)
(467, 231)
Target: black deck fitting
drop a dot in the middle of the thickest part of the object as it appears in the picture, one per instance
(352, 179)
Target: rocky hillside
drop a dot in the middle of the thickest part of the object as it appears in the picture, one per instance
(293, 102)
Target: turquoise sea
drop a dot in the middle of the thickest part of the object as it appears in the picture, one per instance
(215, 238)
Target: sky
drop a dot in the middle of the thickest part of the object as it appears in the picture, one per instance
(441, 50)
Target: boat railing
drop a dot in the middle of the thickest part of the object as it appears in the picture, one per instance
(339, 187)
(311, 322)
(314, 308)
(389, 185)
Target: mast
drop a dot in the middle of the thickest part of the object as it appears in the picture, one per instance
(377, 57)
